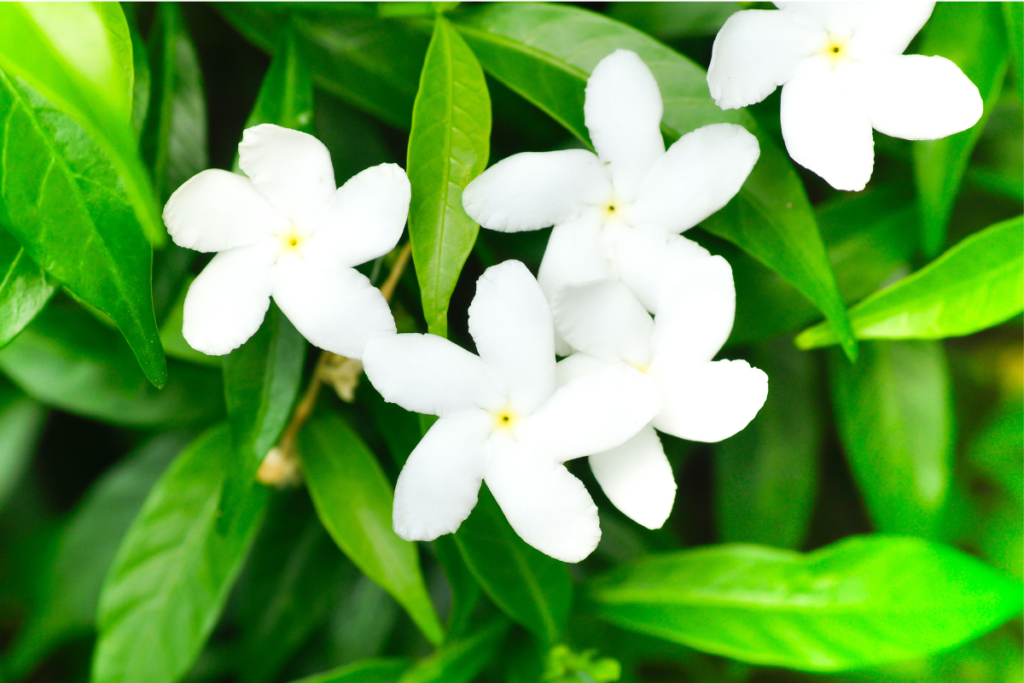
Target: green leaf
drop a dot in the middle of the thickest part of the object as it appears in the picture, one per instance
(973, 286)
(545, 52)
(894, 412)
(671, 20)
(1013, 15)
(448, 147)
(172, 574)
(459, 660)
(66, 205)
(143, 81)
(766, 477)
(971, 36)
(354, 501)
(465, 589)
(533, 589)
(286, 95)
(24, 288)
(862, 602)
(79, 57)
(21, 423)
(366, 671)
(68, 359)
(71, 586)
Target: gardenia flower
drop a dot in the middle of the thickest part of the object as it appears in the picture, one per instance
(843, 72)
(617, 213)
(704, 400)
(503, 421)
(287, 232)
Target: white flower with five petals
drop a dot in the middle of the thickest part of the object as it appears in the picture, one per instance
(617, 213)
(503, 421)
(843, 72)
(703, 400)
(286, 231)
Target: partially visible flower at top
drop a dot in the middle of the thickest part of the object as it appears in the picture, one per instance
(617, 214)
(843, 72)
(504, 421)
(704, 400)
(286, 231)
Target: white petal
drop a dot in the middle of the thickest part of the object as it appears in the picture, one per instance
(216, 210)
(638, 479)
(290, 168)
(226, 303)
(575, 253)
(711, 401)
(756, 51)
(592, 413)
(546, 505)
(438, 486)
(838, 18)
(425, 373)
(533, 190)
(696, 315)
(510, 321)
(334, 308)
(825, 128)
(577, 365)
(604, 319)
(886, 28)
(698, 175)
(916, 97)
(365, 217)
(623, 111)
(647, 259)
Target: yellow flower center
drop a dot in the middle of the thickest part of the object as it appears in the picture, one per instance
(291, 240)
(505, 419)
(835, 50)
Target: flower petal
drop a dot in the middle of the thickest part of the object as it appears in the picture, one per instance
(546, 505)
(916, 97)
(577, 365)
(425, 373)
(647, 259)
(290, 168)
(638, 479)
(334, 308)
(886, 28)
(623, 111)
(825, 128)
(837, 18)
(510, 321)
(754, 52)
(227, 302)
(696, 177)
(216, 210)
(711, 401)
(696, 316)
(533, 190)
(365, 217)
(575, 253)
(592, 413)
(438, 486)
(604, 319)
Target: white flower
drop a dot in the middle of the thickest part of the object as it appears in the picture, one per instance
(843, 72)
(617, 214)
(503, 421)
(704, 400)
(287, 232)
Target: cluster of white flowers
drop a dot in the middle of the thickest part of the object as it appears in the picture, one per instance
(511, 415)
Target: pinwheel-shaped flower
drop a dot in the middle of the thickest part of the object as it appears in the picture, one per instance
(704, 400)
(287, 232)
(617, 213)
(843, 72)
(503, 421)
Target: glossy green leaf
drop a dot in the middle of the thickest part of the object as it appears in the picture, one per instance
(71, 586)
(971, 36)
(766, 477)
(861, 602)
(671, 20)
(143, 81)
(79, 57)
(21, 422)
(366, 671)
(286, 95)
(461, 659)
(354, 500)
(894, 412)
(973, 286)
(1013, 15)
(68, 359)
(370, 63)
(465, 589)
(24, 288)
(545, 52)
(66, 206)
(533, 589)
(448, 147)
(171, 576)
